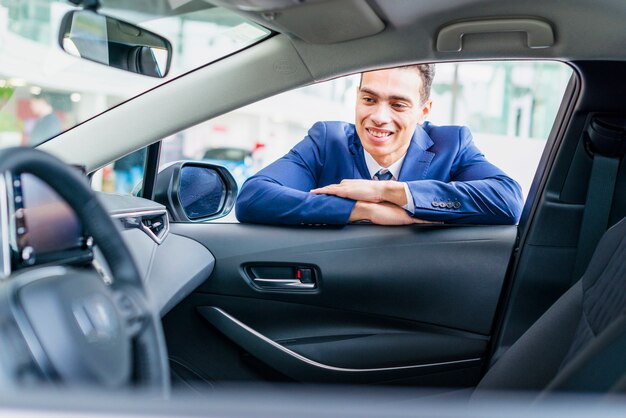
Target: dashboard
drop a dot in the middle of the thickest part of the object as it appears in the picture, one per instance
(172, 266)
(38, 228)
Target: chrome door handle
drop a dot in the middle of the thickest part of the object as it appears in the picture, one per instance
(282, 283)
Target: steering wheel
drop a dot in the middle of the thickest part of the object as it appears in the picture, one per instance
(64, 324)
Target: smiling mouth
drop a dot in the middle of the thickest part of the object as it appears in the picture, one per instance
(378, 134)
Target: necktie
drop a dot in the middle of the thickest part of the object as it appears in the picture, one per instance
(383, 176)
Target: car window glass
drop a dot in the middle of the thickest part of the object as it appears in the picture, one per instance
(509, 107)
(122, 176)
(45, 91)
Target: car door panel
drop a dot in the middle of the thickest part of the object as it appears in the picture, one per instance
(336, 360)
(389, 303)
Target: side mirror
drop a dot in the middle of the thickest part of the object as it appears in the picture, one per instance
(109, 41)
(195, 191)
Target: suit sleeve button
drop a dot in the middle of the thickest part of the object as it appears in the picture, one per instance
(435, 204)
(457, 205)
(449, 205)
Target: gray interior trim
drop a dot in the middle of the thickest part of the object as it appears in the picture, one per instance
(317, 23)
(141, 247)
(169, 280)
(118, 204)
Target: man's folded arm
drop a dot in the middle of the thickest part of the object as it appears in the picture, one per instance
(496, 200)
(279, 193)
(263, 200)
(478, 192)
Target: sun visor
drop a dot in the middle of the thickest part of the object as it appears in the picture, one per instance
(313, 21)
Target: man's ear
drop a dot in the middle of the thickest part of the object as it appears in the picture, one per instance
(425, 111)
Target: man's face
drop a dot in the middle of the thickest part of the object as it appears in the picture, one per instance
(388, 109)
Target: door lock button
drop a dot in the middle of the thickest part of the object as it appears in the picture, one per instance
(305, 275)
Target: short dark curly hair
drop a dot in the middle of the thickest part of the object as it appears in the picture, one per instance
(426, 72)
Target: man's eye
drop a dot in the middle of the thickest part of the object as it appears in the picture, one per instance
(400, 106)
(368, 100)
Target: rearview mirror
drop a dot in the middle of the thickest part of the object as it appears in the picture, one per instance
(109, 41)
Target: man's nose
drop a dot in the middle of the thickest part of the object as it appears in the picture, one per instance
(381, 114)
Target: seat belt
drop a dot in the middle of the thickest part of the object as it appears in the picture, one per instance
(597, 210)
(605, 137)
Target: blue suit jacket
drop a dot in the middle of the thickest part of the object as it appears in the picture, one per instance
(449, 178)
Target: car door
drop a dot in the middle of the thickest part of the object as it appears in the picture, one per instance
(354, 304)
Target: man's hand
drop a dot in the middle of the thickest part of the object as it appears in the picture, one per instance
(383, 214)
(373, 191)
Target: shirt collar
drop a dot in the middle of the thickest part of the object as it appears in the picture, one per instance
(373, 167)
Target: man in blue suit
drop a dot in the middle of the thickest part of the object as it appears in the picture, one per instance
(388, 168)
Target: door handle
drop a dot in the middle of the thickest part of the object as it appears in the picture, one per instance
(282, 276)
(283, 283)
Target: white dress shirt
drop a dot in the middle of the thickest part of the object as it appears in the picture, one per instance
(373, 167)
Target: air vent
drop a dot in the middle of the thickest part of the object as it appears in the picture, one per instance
(154, 223)
(155, 226)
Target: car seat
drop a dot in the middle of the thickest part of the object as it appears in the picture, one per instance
(579, 343)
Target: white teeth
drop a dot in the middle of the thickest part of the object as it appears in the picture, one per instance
(379, 134)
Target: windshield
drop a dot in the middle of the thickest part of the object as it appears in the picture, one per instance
(44, 91)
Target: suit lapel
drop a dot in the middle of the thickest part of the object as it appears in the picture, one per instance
(356, 149)
(417, 160)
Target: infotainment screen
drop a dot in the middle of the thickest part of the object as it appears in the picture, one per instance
(46, 228)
